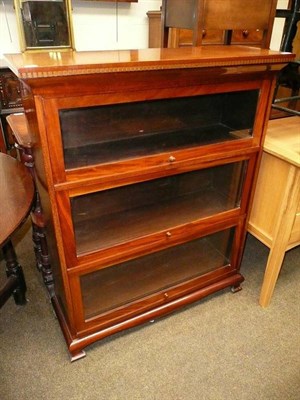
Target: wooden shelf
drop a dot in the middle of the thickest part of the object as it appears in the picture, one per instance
(118, 132)
(108, 218)
(132, 233)
(123, 227)
(114, 287)
(112, 151)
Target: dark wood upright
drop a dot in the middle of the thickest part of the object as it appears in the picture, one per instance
(24, 144)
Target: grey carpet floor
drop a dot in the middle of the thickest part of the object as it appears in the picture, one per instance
(224, 347)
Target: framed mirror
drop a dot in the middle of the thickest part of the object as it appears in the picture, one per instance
(44, 24)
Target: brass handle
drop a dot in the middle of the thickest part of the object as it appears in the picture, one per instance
(203, 33)
(172, 159)
(166, 295)
(245, 33)
(168, 234)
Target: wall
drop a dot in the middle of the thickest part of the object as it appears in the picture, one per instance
(103, 25)
(97, 25)
(9, 39)
(109, 26)
(278, 26)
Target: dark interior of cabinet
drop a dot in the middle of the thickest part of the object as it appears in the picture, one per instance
(119, 215)
(111, 133)
(121, 284)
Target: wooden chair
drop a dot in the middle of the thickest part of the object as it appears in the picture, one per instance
(292, 18)
(202, 16)
(24, 144)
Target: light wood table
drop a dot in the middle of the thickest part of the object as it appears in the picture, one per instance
(275, 214)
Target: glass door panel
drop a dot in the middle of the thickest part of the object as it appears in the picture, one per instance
(130, 281)
(117, 132)
(107, 218)
(44, 24)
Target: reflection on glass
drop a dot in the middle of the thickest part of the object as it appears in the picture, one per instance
(45, 23)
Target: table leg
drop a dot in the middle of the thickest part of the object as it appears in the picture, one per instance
(15, 284)
(281, 236)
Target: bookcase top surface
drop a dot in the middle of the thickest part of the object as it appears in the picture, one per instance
(61, 63)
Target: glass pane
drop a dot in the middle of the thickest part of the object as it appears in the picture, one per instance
(116, 286)
(107, 218)
(45, 23)
(122, 131)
